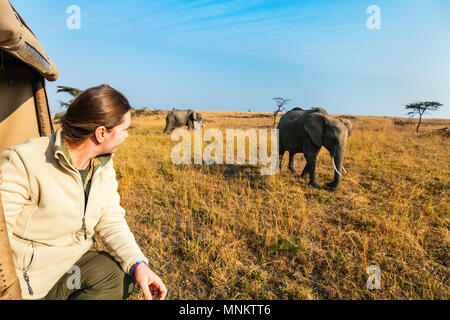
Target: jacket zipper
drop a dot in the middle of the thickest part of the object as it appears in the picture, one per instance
(96, 174)
(83, 227)
(27, 279)
(85, 204)
(25, 274)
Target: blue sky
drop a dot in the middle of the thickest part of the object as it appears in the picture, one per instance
(238, 55)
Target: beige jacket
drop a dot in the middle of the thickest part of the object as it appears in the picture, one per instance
(44, 204)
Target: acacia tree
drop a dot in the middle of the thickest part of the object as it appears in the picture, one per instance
(281, 102)
(74, 92)
(421, 108)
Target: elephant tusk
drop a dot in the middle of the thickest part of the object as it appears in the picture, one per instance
(335, 169)
(345, 171)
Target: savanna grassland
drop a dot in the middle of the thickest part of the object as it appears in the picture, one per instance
(227, 232)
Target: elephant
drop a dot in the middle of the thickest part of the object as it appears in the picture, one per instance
(179, 118)
(306, 131)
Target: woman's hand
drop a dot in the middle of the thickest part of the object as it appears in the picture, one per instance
(1, 176)
(151, 285)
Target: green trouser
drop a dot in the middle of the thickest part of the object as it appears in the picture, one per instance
(96, 276)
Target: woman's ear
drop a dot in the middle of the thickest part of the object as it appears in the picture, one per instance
(99, 134)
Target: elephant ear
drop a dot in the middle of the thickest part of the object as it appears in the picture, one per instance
(190, 115)
(349, 126)
(314, 125)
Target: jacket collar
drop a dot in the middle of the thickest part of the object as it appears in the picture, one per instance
(61, 153)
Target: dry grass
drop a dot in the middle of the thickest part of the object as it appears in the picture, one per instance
(226, 232)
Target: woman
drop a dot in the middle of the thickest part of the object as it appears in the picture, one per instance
(58, 191)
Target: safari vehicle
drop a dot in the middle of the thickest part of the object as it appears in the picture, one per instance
(24, 110)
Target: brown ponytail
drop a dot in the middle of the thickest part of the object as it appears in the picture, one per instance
(93, 108)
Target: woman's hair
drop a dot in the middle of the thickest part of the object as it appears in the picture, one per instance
(93, 108)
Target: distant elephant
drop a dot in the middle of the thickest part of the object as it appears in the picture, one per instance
(306, 132)
(179, 118)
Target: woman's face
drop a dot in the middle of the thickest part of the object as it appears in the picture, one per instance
(117, 135)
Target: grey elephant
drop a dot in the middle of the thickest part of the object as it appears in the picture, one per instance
(180, 118)
(306, 132)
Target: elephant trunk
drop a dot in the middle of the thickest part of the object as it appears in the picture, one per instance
(336, 170)
(338, 161)
(166, 129)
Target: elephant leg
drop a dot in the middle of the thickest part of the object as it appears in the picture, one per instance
(305, 171)
(311, 159)
(291, 162)
(280, 155)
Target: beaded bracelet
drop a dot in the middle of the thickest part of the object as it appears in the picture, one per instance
(134, 267)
